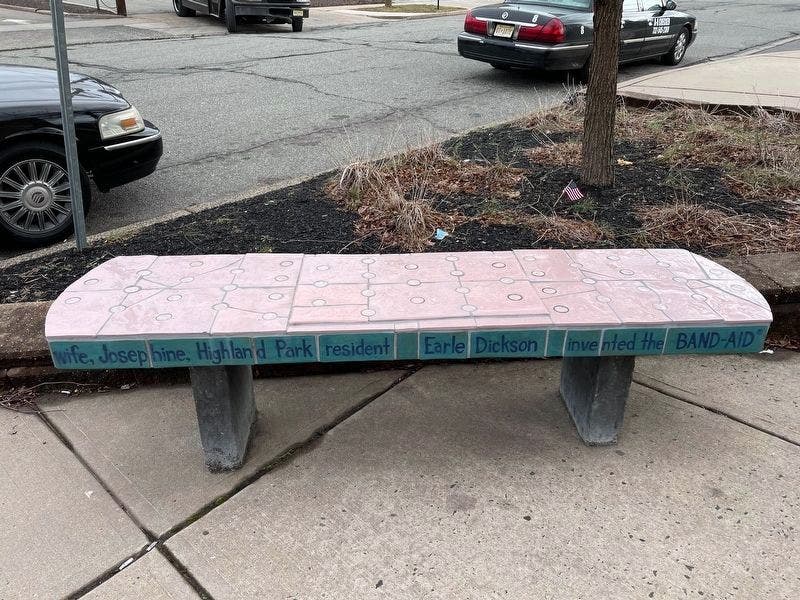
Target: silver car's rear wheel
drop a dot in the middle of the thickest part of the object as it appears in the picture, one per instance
(35, 199)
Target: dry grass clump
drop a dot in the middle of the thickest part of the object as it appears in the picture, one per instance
(758, 151)
(567, 231)
(561, 118)
(393, 197)
(443, 175)
(564, 154)
(398, 217)
(692, 225)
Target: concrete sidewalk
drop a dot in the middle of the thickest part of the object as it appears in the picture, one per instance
(455, 481)
(767, 79)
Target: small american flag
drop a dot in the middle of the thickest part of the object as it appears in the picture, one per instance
(572, 191)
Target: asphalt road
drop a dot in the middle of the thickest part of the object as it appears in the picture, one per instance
(241, 112)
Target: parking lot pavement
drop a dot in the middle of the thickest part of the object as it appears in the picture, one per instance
(243, 112)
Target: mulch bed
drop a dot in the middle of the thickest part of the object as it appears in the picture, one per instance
(308, 218)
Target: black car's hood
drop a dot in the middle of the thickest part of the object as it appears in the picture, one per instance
(34, 87)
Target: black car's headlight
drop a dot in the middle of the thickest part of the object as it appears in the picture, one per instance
(120, 123)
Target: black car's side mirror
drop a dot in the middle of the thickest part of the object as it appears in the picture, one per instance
(670, 5)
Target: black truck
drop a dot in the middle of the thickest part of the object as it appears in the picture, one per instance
(239, 11)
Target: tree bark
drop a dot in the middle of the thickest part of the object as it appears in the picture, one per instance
(601, 96)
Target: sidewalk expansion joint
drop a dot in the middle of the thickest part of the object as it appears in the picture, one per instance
(184, 572)
(109, 573)
(303, 446)
(684, 396)
(117, 567)
(158, 542)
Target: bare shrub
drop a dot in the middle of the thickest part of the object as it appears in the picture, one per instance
(393, 196)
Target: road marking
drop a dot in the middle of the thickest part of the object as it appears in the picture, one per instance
(16, 21)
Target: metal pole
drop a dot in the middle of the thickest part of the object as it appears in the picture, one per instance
(68, 122)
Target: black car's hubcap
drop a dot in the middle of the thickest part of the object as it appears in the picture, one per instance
(35, 197)
(680, 47)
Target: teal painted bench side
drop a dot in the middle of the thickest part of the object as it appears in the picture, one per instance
(388, 346)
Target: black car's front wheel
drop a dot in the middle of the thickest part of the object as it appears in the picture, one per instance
(678, 50)
(181, 10)
(35, 197)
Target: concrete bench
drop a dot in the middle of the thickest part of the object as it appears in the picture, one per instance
(220, 314)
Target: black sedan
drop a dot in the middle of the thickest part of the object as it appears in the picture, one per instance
(556, 35)
(115, 146)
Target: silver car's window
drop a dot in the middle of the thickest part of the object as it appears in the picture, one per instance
(630, 6)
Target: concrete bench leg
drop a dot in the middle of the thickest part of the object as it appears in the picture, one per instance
(595, 391)
(226, 411)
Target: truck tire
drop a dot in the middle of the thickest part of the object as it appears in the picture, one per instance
(297, 24)
(181, 10)
(230, 16)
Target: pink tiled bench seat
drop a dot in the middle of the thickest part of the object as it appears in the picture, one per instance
(240, 310)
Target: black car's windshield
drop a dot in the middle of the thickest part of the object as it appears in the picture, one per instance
(584, 4)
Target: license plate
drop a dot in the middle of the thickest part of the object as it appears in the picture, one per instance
(297, 13)
(503, 31)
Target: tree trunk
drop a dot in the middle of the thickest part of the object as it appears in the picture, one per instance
(601, 95)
